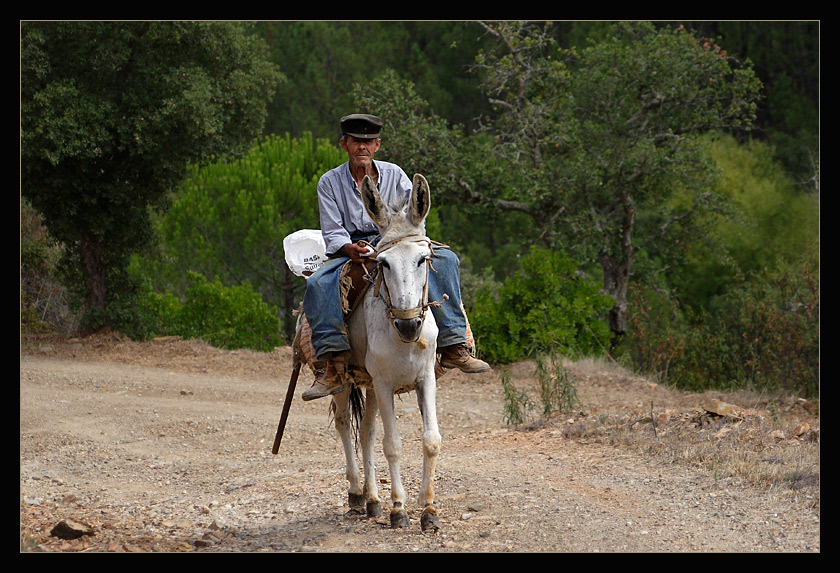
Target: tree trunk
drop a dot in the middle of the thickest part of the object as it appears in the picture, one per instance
(617, 271)
(616, 279)
(91, 254)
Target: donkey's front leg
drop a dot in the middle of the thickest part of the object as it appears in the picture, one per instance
(373, 507)
(392, 445)
(426, 391)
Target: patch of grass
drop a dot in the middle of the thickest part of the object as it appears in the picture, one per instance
(517, 403)
(772, 442)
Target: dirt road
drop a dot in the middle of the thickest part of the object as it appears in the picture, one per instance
(167, 447)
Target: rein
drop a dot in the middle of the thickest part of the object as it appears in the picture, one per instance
(378, 280)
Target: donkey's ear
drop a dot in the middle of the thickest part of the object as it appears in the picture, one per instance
(373, 203)
(421, 201)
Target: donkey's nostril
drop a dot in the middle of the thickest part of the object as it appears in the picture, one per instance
(408, 328)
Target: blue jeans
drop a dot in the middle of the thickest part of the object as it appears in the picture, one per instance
(322, 304)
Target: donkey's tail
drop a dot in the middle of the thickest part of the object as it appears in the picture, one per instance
(357, 410)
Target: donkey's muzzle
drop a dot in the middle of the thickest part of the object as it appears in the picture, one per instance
(408, 329)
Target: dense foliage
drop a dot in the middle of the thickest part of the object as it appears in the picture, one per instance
(323, 60)
(111, 112)
(602, 136)
(764, 333)
(739, 305)
(598, 143)
(227, 317)
(228, 220)
(546, 306)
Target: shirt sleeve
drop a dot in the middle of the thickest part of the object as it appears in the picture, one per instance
(332, 228)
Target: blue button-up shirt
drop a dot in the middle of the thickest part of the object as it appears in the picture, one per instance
(340, 202)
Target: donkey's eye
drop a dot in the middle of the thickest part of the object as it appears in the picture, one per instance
(421, 262)
(385, 264)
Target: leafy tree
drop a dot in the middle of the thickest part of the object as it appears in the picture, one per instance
(414, 137)
(229, 218)
(588, 143)
(608, 134)
(767, 222)
(111, 113)
(786, 56)
(323, 60)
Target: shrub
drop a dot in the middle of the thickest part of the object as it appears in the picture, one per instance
(226, 317)
(655, 331)
(762, 334)
(558, 392)
(154, 314)
(44, 301)
(517, 402)
(546, 305)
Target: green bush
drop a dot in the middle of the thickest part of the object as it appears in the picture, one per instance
(655, 330)
(545, 306)
(226, 317)
(154, 314)
(762, 334)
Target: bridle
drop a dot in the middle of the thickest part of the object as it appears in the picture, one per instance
(377, 277)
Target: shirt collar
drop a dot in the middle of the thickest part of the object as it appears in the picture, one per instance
(353, 181)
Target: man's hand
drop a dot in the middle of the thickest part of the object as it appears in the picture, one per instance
(355, 251)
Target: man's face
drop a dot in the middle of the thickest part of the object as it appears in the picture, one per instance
(359, 151)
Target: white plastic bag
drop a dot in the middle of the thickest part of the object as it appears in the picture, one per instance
(305, 251)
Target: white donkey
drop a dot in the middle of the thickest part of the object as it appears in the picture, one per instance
(394, 340)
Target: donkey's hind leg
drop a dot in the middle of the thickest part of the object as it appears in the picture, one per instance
(344, 426)
(373, 506)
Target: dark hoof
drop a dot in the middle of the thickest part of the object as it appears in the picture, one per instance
(399, 518)
(429, 520)
(356, 501)
(374, 509)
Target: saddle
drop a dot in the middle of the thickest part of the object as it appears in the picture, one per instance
(355, 279)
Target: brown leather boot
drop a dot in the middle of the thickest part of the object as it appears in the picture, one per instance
(458, 356)
(327, 380)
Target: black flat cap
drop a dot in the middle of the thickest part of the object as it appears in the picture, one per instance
(361, 126)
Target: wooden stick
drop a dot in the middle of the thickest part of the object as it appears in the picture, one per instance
(290, 393)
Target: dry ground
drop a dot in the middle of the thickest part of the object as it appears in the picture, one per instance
(166, 447)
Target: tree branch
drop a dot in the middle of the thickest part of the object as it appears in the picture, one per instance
(474, 197)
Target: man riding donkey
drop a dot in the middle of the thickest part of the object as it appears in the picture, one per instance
(348, 233)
